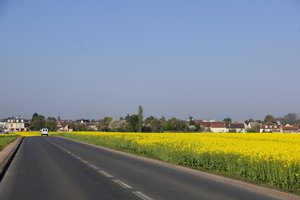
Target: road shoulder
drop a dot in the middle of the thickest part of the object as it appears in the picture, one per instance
(7, 154)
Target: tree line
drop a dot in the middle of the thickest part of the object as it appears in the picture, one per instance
(137, 123)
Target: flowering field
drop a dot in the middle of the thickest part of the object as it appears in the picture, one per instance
(27, 133)
(273, 159)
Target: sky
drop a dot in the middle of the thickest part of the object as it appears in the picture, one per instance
(207, 59)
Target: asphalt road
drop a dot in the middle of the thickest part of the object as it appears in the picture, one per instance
(60, 169)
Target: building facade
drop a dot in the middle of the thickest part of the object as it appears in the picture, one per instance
(15, 124)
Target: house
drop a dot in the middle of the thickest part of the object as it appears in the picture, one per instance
(221, 127)
(269, 128)
(15, 124)
(83, 121)
(218, 127)
(289, 129)
(63, 126)
(252, 125)
(205, 124)
(236, 127)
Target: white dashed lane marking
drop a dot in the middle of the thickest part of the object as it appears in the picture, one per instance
(142, 195)
(122, 184)
(107, 175)
(84, 161)
(93, 166)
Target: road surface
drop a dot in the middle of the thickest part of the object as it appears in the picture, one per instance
(56, 168)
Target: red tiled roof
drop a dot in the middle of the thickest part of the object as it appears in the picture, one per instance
(207, 124)
(218, 125)
(237, 126)
(202, 123)
(290, 128)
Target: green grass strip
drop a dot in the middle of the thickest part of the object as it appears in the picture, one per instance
(6, 139)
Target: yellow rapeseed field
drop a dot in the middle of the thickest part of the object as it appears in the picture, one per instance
(258, 146)
(272, 158)
(27, 133)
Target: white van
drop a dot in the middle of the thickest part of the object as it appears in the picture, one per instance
(44, 131)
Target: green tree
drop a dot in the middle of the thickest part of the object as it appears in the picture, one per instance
(148, 120)
(2, 128)
(176, 125)
(191, 121)
(227, 119)
(51, 124)
(79, 127)
(154, 124)
(199, 128)
(104, 124)
(131, 123)
(298, 122)
(269, 119)
(167, 125)
(37, 122)
(140, 119)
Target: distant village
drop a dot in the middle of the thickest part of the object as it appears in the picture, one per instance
(288, 124)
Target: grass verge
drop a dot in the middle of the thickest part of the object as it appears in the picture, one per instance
(6, 139)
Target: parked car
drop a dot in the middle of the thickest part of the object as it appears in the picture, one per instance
(44, 131)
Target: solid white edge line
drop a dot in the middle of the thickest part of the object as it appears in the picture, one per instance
(122, 184)
(142, 195)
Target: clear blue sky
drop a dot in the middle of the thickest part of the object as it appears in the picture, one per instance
(207, 59)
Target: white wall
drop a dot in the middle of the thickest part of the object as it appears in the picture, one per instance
(219, 130)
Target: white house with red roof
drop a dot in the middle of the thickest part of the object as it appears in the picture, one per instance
(270, 128)
(289, 129)
(218, 127)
